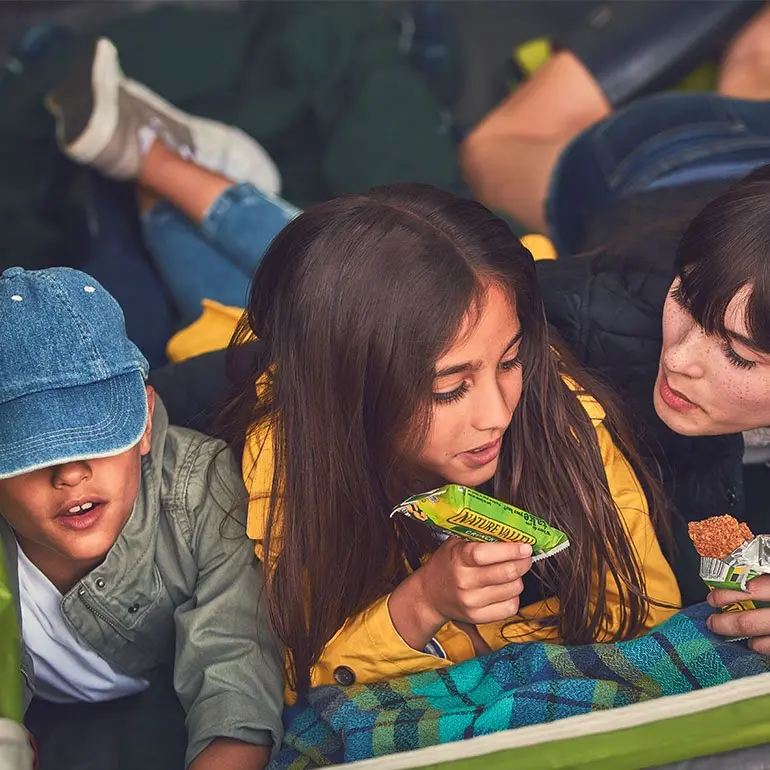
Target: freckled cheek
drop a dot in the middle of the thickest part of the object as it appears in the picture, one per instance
(744, 395)
(738, 401)
(672, 325)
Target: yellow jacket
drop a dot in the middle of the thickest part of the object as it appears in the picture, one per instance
(368, 648)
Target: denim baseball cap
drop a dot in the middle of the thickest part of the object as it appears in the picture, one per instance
(72, 385)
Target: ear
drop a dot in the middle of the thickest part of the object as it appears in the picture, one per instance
(145, 442)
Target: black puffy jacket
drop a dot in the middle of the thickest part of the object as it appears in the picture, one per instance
(607, 307)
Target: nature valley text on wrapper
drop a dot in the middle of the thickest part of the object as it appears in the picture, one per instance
(468, 514)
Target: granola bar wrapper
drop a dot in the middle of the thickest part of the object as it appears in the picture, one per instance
(745, 563)
(466, 513)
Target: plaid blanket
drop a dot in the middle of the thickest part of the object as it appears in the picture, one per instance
(522, 684)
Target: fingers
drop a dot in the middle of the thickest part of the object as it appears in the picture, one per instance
(485, 554)
(747, 623)
(500, 574)
(478, 582)
(761, 645)
(754, 624)
(494, 594)
(758, 589)
(494, 613)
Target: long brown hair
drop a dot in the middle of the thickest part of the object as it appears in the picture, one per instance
(355, 301)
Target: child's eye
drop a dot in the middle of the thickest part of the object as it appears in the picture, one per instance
(735, 359)
(511, 363)
(452, 395)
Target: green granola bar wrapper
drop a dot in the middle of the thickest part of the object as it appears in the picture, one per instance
(466, 513)
(744, 564)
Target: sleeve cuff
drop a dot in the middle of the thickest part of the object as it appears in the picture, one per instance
(223, 716)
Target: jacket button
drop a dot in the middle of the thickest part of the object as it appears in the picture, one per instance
(133, 608)
(99, 582)
(344, 676)
(81, 591)
(731, 496)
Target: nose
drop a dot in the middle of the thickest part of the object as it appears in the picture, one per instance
(684, 354)
(492, 413)
(71, 474)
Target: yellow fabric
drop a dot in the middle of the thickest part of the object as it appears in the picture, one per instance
(531, 55)
(539, 246)
(212, 330)
(369, 644)
(703, 78)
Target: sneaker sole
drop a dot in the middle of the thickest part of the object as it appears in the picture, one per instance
(87, 104)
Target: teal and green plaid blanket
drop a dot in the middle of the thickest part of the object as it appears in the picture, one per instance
(522, 684)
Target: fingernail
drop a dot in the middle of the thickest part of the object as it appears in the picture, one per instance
(525, 549)
(710, 622)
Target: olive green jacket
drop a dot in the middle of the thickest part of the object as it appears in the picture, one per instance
(181, 584)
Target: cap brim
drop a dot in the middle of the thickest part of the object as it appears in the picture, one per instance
(51, 427)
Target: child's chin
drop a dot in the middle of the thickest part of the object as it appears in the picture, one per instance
(474, 478)
(92, 551)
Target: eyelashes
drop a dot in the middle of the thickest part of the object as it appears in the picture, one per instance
(511, 363)
(452, 395)
(739, 362)
(735, 359)
(455, 395)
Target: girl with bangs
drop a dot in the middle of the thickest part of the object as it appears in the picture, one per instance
(676, 318)
(714, 372)
(409, 349)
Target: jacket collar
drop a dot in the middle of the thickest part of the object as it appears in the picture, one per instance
(132, 543)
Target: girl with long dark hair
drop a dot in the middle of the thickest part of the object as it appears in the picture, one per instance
(409, 348)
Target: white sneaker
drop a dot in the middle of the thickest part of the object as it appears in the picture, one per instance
(100, 114)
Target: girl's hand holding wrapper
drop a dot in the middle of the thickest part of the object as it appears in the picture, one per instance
(735, 565)
(477, 581)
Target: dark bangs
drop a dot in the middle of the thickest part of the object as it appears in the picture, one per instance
(725, 248)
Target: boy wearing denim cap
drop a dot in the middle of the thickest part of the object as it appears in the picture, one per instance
(125, 537)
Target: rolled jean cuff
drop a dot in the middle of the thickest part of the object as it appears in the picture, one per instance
(240, 195)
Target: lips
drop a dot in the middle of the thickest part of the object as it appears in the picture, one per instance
(81, 514)
(79, 507)
(673, 398)
(482, 455)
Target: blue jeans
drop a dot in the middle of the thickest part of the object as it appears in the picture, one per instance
(665, 140)
(216, 259)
